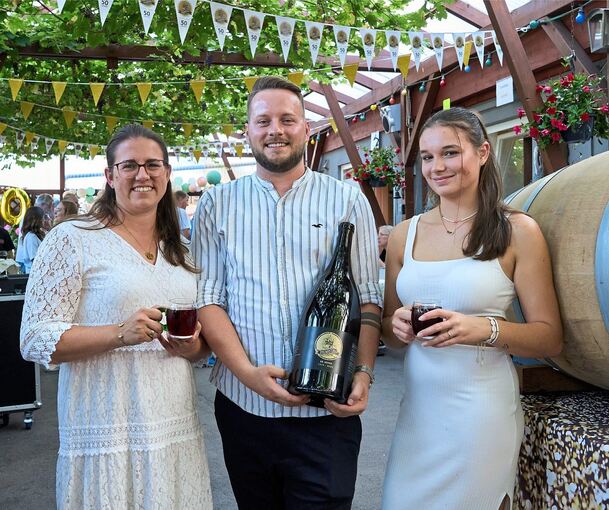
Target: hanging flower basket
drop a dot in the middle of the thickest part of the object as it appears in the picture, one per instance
(579, 132)
(377, 182)
(381, 167)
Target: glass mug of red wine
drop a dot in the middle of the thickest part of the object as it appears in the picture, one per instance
(181, 317)
(420, 307)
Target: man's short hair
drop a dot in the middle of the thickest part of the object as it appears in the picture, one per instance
(274, 82)
(179, 194)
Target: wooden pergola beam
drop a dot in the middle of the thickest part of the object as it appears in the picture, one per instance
(315, 86)
(468, 14)
(524, 79)
(561, 37)
(352, 152)
(318, 150)
(315, 108)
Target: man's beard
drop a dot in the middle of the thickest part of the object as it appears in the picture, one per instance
(281, 166)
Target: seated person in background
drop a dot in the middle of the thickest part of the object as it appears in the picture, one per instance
(383, 237)
(31, 236)
(65, 209)
(7, 247)
(45, 202)
(182, 202)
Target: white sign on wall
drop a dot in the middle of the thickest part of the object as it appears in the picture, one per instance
(504, 90)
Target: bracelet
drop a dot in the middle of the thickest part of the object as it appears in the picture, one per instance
(492, 340)
(121, 336)
(367, 370)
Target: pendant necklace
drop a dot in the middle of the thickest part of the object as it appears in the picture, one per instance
(457, 220)
(147, 253)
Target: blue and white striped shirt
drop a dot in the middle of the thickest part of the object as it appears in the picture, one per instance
(260, 256)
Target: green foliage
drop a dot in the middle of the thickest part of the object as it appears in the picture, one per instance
(380, 163)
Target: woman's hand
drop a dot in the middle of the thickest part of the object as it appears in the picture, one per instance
(455, 328)
(143, 326)
(402, 326)
(191, 349)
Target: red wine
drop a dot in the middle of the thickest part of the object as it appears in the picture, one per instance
(326, 345)
(181, 323)
(419, 309)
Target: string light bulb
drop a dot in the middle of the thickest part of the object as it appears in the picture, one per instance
(373, 106)
(467, 69)
(533, 24)
(422, 87)
(442, 81)
(488, 62)
(581, 16)
(362, 116)
(404, 92)
(391, 100)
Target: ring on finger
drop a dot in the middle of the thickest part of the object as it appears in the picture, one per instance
(450, 335)
(150, 333)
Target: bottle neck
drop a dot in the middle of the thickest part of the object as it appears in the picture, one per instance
(342, 253)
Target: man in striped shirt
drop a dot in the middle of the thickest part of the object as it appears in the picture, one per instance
(262, 242)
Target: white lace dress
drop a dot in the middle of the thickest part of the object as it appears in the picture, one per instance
(129, 432)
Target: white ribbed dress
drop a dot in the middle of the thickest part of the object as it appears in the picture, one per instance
(460, 424)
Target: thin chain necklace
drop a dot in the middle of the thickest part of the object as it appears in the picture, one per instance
(457, 220)
(462, 221)
(147, 253)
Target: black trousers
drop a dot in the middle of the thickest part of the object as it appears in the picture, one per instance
(289, 463)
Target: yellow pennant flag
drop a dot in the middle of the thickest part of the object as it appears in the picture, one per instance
(26, 108)
(350, 71)
(404, 65)
(58, 87)
(296, 78)
(96, 91)
(466, 52)
(197, 87)
(239, 149)
(333, 125)
(69, 115)
(144, 90)
(62, 144)
(93, 150)
(2, 127)
(197, 154)
(187, 127)
(15, 84)
(249, 82)
(111, 121)
(28, 137)
(147, 124)
(227, 129)
(446, 104)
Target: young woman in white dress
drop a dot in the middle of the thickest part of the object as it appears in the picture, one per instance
(460, 425)
(129, 432)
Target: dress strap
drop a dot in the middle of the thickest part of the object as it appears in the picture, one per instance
(412, 233)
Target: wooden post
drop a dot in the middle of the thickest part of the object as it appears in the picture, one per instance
(518, 63)
(527, 157)
(318, 150)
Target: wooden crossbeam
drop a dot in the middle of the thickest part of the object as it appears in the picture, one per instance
(315, 86)
(561, 37)
(315, 108)
(468, 14)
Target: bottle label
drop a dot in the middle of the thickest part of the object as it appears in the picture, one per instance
(326, 349)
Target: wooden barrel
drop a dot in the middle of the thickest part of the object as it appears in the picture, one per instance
(571, 207)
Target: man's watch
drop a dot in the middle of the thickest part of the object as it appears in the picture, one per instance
(367, 370)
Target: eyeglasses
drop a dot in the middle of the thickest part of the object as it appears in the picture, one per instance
(130, 167)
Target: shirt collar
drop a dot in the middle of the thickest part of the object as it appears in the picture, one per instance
(268, 185)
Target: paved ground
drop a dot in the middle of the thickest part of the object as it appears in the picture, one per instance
(27, 457)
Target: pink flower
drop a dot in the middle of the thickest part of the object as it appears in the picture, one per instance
(586, 89)
(7, 228)
(585, 117)
(555, 136)
(517, 129)
(18, 231)
(605, 108)
(534, 132)
(521, 113)
(545, 132)
(547, 89)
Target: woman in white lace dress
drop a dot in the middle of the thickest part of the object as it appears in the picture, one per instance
(129, 432)
(460, 425)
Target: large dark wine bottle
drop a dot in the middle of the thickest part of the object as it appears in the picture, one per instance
(326, 346)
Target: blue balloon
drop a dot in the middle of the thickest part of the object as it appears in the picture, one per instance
(214, 177)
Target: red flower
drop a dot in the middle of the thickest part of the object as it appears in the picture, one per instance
(586, 89)
(365, 154)
(534, 132)
(551, 110)
(570, 77)
(554, 122)
(555, 136)
(367, 161)
(551, 99)
(517, 130)
(545, 132)
(521, 113)
(562, 126)
(605, 108)
(585, 117)
(377, 169)
(538, 88)
(398, 150)
(547, 89)
(537, 118)
(348, 175)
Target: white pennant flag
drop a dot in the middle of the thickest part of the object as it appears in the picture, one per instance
(77, 148)
(221, 14)
(253, 22)
(19, 136)
(478, 38)
(314, 33)
(147, 10)
(48, 143)
(184, 12)
(205, 151)
(459, 47)
(104, 9)
(498, 47)
(232, 150)
(368, 40)
(60, 4)
(393, 45)
(437, 43)
(191, 153)
(219, 149)
(416, 41)
(2, 140)
(34, 143)
(176, 151)
(285, 27)
(341, 36)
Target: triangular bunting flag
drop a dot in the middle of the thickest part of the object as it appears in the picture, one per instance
(333, 125)
(285, 27)
(227, 129)
(404, 65)
(77, 148)
(176, 151)
(296, 78)
(48, 143)
(60, 4)
(249, 82)
(459, 48)
(478, 38)
(96, 91)
(197, 87)
(34, 143)
(393, 45)
(58, 87)
(26, 108)
(467, 52)
(369, 40)
(314, 33)
(253, 22)
(69, 115)
(104, 9)
(239, 149)
(219, 149)
(498, 47)
(19, 136)
(144, 90)
(187, 127)
(437, 43)
(2, 127)
(147, 10)
(220, 14)
(197, 154)
(62, 144)
(28, 137)
(93, 150)
(184, 11)
(416, 41)
(350, 71)
(15, 84)
(341, 36)
(205, 151)
(147, 124)
(111, 121)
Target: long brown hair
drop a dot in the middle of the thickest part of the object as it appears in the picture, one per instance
(491, 230)
(167, 228)
(33, 221)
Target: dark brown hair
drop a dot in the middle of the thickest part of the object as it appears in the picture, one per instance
(33, 222)
(273, 82)
(69, 207)
(491, 229)
(105, 209)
